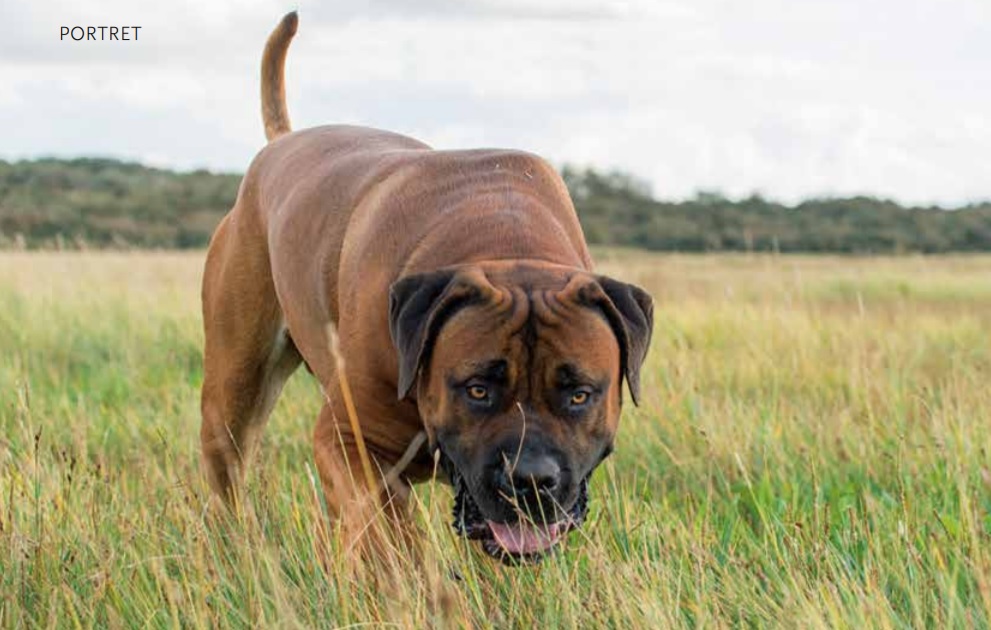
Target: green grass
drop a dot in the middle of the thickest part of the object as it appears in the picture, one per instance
(812, 450)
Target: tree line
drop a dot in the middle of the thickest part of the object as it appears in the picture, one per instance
(104, 203)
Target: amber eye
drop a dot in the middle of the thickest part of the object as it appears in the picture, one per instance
(478, 392)
(579, 398)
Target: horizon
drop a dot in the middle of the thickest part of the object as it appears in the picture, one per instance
(695, 196)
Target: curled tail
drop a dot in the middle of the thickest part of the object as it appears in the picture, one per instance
(274, 111)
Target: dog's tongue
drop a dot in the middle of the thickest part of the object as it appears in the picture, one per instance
(525, 538)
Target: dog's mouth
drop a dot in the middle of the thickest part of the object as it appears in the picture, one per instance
(513, 543)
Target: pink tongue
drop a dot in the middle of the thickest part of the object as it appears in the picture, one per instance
(525, 538)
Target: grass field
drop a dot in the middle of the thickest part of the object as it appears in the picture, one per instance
(812, 451)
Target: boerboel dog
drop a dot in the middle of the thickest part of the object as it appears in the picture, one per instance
(462, 292)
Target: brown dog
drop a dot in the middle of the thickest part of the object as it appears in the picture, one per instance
(460, 286)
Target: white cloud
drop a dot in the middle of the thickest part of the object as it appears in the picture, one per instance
(786, 98)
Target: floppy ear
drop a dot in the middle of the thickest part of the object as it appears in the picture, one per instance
(630, 311)
(418, 306)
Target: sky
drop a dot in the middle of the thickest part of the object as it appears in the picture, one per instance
(789, 99)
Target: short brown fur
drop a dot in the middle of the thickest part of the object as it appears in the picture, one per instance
(326, 222)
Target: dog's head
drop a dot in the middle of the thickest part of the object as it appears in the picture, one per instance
(517, 371)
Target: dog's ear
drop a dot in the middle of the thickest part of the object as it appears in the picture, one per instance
(630, 312)
(419, 305)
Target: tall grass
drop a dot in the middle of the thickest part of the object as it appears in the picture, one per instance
(811, 450)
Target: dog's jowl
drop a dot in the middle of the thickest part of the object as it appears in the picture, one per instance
(462, 293)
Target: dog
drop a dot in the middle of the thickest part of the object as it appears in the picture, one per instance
(465, 307)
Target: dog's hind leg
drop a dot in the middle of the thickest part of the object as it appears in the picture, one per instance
(248, 355)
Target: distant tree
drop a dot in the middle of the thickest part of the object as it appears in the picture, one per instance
(97, 202)
(103, 203)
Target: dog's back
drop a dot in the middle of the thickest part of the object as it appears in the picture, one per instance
(311, 190)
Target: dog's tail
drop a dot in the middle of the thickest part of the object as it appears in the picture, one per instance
(274, 111)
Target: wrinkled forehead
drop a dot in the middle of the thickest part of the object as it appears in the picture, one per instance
(530, 328)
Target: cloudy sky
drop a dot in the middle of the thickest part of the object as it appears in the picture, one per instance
(788, 98)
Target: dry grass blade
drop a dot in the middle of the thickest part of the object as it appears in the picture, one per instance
(810, 451)
(366, 461)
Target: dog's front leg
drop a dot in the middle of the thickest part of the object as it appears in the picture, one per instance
(369, 512)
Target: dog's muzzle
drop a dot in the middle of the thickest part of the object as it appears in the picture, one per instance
(521, 541)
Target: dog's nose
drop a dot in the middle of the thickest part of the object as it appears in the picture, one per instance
(529, 479)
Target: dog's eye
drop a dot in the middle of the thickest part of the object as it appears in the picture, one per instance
(478, 392)
(579, 398)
